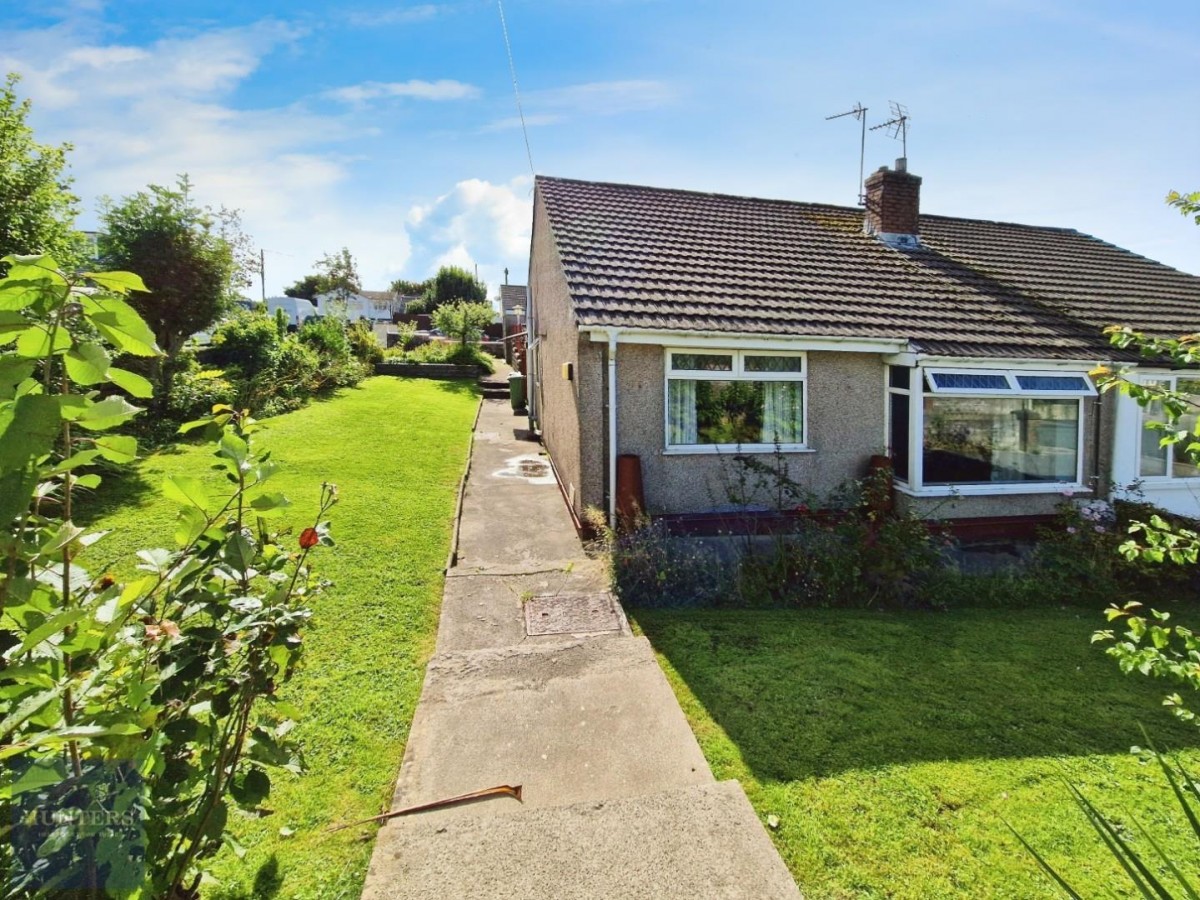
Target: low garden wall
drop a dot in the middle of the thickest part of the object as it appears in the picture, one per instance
(427, 370)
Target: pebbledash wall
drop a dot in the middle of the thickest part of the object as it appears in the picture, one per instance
(845, 402)
(570, 412)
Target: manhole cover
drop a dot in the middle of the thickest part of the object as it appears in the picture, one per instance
(571, 614)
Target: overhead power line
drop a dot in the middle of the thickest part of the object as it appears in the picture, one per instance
(512, 68)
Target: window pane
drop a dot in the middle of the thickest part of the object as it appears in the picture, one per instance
(774, 363)
(974, 381)
(701, 362)
(734, 412)
(898, 376)
(1153, 460)
(899, 435)
(1000, 440)
(1054, 383)
(1181, 463)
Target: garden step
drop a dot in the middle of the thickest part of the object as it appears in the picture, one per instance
(570, 720)
(702, 841)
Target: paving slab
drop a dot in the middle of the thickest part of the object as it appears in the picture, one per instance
(700, 842)
(484, 606)
(570, 721)
(617, 799)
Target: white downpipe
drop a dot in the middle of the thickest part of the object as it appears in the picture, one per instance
(612, 427)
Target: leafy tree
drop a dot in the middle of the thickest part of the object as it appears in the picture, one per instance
(339, 273)
(1187, 204)
(463, 320)
(37, 209)
(306, 288)
(452, 284)
(193, 259)
(403, 286)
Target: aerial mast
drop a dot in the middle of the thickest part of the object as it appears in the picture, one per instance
(860, 113)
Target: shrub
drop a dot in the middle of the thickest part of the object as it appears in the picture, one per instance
(326, 335)
(364, 345)
(138, 714)
(248, 341)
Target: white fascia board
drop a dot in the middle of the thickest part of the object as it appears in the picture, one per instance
(735, 341)
(989, 362)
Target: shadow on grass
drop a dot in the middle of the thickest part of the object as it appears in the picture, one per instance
(812, 693)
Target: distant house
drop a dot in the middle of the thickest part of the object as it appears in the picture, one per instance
(685, 327)
(514, 313)
(373, 305)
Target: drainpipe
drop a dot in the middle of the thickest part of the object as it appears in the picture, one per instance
(612, 427)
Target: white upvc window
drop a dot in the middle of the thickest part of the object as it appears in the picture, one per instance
(736, 400)
(986, 431)
(1157, 463)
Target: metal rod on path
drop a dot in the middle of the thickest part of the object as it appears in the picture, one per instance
(501, 790)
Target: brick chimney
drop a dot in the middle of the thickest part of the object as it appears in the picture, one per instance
(893, 205)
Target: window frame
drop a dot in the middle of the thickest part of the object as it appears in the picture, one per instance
(736, 373)
(921, 387)
(1168, 478)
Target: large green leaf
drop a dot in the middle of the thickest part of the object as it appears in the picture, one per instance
(18, 293)
(239, 552)
(107, 413)
(87, 363)
(35, 266)
(41, 340)
(131, 382)
(121, 325)
(13, 370)
(121, 282)
(28, 428)
(186, 490)
(16, 490)
(118, 448)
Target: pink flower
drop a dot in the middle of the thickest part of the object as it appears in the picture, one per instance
(1068, 493)
(1100, 529)
(1070, 529)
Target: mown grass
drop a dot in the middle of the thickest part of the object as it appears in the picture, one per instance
(893, 747)
(396, 449)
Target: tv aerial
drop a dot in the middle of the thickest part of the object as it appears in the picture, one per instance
(897, 125)
(860, 113)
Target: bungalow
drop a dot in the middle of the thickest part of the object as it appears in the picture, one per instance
(681, 327)
(373, 305)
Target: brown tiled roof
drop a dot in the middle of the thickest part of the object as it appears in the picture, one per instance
(379, 296)
(640, 257)
(512, 295)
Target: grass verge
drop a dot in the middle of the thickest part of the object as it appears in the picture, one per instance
(396, 450)
(893, 747)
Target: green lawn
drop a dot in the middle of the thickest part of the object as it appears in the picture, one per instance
(892, 747)
(396, 449)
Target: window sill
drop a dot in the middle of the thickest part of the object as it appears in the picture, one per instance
(735, 449)
(991, 490)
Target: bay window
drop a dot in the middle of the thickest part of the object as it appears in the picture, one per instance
(735, 400)
(979, 429)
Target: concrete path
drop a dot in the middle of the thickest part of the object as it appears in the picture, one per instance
(618, 800)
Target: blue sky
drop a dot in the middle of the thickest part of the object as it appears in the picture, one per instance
(390, 128)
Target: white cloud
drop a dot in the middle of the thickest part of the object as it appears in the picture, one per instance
(403, 15)
(476, 223)
(443, 89)
(596, 98)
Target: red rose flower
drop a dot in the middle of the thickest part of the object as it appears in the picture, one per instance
(309, 538)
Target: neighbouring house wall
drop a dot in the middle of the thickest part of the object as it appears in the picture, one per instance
(845, 427)
(566, 409)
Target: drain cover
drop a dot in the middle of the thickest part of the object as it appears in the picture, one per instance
(571, 614)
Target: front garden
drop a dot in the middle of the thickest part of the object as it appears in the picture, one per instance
(396, 449)
(894, 746)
